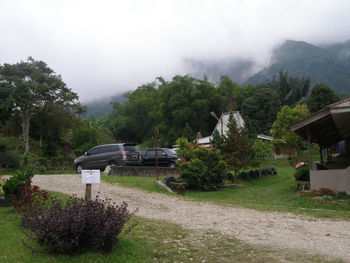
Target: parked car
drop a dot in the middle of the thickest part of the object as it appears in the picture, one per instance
(166, 157)
(100, 156)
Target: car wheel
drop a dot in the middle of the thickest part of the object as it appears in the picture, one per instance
(79, 168)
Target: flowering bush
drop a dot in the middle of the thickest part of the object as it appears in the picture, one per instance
(29, 196)
(67, 227)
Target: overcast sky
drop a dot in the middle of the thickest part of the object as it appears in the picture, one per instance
(106, 47)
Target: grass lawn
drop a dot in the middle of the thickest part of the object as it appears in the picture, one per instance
(149, 241)
(272, 193)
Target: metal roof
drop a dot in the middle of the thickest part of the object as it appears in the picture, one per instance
(224, 118)
(328, 126)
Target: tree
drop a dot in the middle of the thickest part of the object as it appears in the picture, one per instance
(285, 138)
(261, 107)
(6, 102)
(188, 133)
(218, 140)
(34, 85)
(187, 100)
(231, 94)
(290, 89)
(321, 96)
(236, 147)
(262, 150)
(135, 120)
(61, 121)
(83, 139)
(176, 108)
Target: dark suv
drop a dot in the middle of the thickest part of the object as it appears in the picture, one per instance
(166, 157)
(101, 156)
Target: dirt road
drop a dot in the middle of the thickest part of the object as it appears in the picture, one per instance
(285, 230)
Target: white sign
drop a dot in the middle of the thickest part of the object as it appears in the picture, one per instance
(90, 176)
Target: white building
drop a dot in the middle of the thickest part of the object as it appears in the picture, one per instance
(221, 127)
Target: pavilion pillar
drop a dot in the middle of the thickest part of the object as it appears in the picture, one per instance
(321, 155)
(309, 146)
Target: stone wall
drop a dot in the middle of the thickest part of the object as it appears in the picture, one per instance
(139, 171)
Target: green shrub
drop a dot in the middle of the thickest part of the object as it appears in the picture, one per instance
(200, 167)
(9, 160)
(83, 139)
(51, 145)
(57, 161)
(2, 183)
(43, 161)
(20, 179)
(302, 174)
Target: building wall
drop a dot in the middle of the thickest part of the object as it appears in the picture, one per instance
(336, 180)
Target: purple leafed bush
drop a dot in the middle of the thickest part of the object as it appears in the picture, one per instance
(67, 227)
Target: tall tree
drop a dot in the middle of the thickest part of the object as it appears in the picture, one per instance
(321, 96)
(188, 100)
(136, 119)
(34, 85)
(290, 89)
(285, 138)
(6, 102)
(231, 94)
(236, 146)
(261, 107)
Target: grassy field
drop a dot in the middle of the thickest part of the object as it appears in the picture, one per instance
(148, 241)
(271, 193)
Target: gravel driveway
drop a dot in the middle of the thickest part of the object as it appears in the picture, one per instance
(285, 230)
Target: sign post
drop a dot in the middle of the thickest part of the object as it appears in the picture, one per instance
(89, 177)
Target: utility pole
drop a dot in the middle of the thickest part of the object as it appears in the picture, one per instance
(156, 145)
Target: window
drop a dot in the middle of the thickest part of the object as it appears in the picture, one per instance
(96, 150)
(152, 153)
(112, 148)
(130, 148)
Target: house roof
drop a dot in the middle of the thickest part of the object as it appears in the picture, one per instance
(265, 137)
(224, 120)
(205, 140)
(327, 126)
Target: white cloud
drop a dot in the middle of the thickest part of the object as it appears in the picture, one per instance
(105, 47)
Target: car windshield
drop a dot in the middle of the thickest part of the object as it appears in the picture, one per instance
(170, 151)
(130, 148)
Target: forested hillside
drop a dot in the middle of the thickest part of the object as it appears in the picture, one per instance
(329, 65)
(103, 106)
(326, 64)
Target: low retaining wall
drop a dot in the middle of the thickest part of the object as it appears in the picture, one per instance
(140, 171)
(336, 180)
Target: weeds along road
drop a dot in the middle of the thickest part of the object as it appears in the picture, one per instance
(284, 230)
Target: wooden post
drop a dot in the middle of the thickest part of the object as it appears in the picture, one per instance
(309, 148)
(155, 141)
(88, 192)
